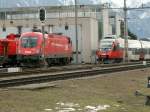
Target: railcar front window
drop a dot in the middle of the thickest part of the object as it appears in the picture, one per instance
(29, 42)
(106, 45)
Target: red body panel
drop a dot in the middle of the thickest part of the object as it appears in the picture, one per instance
(55, 45)
(115, 53)
(30, 51)
(110, 54)
(33, 49)
(58, 45)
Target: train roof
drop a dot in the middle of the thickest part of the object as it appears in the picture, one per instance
(131, 43)
(26, 33)
(134, 44)
(53, 35)
(145, 44)
(111, 37)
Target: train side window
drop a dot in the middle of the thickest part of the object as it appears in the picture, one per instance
(129, 49)
(146, 50)
(149, 51)
(137, 51)
(132, 50)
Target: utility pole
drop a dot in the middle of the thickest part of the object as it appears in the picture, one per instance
(76, 30)
(125, 33)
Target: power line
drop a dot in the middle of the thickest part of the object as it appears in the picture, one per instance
(128, 8)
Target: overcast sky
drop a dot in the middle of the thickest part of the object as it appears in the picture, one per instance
(130, 3)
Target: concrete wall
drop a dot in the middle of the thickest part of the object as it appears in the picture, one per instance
(105, 21)
(110, 24)
(118, 22)
(94, 40)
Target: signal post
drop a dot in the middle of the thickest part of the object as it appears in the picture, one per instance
(42, 17)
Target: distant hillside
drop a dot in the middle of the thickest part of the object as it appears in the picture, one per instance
(139, 21)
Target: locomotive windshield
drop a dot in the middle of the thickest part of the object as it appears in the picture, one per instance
(106, 45)
(29, 42)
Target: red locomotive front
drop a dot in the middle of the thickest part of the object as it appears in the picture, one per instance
(33, 49)
(110, 51)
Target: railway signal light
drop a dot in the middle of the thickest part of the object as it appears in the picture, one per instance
(66, 27)
(4, 28)
(42, 14)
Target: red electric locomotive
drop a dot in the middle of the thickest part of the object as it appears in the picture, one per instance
(8, 50)
(111, 50)
(33, 49)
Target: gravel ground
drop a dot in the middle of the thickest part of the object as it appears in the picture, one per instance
(113, 92)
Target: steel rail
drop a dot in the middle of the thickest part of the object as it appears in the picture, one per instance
(31, 71)
(63, 75)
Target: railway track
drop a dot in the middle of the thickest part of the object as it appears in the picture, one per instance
(45, 76)
(30, 71)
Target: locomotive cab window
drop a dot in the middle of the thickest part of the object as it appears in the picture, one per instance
(29, 42)
(106, 45)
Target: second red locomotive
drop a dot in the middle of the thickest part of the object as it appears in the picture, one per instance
(33, 49)
(8, 50)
